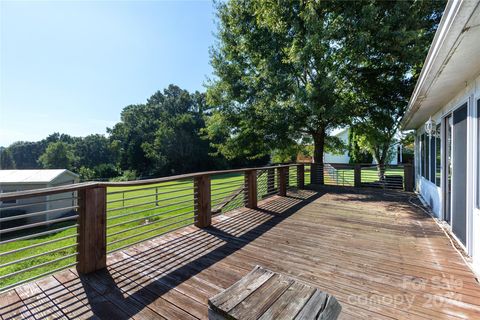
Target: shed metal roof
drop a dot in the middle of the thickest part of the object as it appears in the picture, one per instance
(32, 176)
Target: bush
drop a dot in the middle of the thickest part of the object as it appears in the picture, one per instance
(127, 175)
(105, 171)
(86, 173)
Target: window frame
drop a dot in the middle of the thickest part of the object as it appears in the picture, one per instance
(438, 156)
(422, 155)
(426, 152)
(478, 153)
(432, 158)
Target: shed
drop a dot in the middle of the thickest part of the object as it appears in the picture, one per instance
(54, 205)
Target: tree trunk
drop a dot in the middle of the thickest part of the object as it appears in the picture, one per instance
(381, 171)
(380, 157)
(317, 165)
(318, 144)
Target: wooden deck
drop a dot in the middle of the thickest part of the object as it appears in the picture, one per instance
(376, 253)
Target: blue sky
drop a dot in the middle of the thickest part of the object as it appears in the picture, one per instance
(71, 67)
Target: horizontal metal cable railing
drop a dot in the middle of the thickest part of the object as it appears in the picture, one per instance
(135, 214)
(37, 235)
(361, 175)
(383, 176)
(46, 230)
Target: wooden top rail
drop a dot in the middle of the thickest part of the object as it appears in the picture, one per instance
(95, 184)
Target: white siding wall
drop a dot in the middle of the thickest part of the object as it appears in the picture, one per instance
(66, 199)
(433, 194)
(338, 158)
(344, 158)
(8, 187)
(46, 204)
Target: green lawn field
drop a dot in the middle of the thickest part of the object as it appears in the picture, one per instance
(134, 214)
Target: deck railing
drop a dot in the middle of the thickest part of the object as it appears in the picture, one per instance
(45, 230)
(362, 175)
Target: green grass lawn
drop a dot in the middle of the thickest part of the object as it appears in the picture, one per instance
(134, 214)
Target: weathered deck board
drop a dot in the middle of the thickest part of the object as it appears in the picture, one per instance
(380, 256)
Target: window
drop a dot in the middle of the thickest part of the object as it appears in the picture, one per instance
(426, 162)
(422, 154)
(478, 153)
(438, 157)
(14, 201)
(432, 158)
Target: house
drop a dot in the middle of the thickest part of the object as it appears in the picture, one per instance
(343, 134)
(445, 112)
(54, 206)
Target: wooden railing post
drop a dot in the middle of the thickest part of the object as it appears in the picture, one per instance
(282, 181)
(287, 177)
(408, 178)
(270, 181)
(250, 193)
(203, 205)
(357, 176)
(301, 176)
(92, 239)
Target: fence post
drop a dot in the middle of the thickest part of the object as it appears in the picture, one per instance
(250, 193)
(408, 177)
(282, 181)
(287, 177)
(92, 239)
(270, 181)
(203, 205)
(316, 173)
(357, 176)
(301, 176)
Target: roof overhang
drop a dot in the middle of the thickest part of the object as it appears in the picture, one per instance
(453, 61)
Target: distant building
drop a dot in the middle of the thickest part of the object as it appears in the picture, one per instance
(345, 158)
(54, 205)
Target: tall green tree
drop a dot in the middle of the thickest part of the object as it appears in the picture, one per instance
(58, 155)
(94, 150)
(163, 136)
(6, 159)
(356, 152)
(276, 81)
(384, 44)
(25, 154)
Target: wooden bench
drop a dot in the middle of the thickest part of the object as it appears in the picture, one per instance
(264, 294)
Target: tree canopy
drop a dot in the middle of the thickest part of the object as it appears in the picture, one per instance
(384, 44)
(292, 70)
(6, 159)
(275, 83)
(163, 136)
(58, 155)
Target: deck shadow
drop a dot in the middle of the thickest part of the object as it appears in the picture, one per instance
(124, 282)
